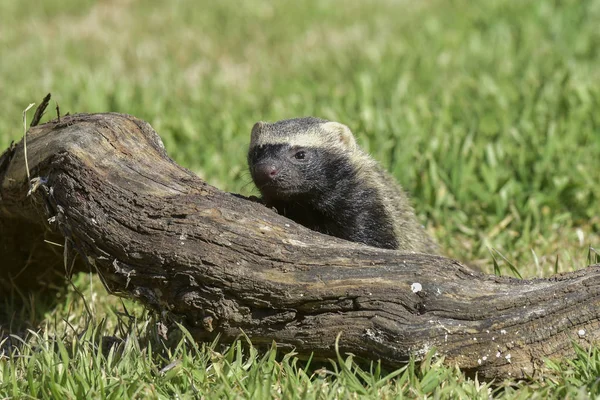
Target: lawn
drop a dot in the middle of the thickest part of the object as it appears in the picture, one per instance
(486, 112)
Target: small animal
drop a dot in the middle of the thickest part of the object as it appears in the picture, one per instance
(312, 171)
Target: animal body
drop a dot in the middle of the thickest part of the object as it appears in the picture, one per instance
(312, 171)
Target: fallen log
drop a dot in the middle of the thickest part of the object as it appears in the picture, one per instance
(103, 185)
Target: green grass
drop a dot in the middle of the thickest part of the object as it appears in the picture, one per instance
(486, 112)
(126, 354)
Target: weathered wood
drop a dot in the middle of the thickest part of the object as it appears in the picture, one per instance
(158, 233)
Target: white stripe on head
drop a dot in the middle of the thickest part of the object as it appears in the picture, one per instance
(304, 132)
(302, 139)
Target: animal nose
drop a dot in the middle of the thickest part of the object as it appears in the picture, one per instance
(264, 173)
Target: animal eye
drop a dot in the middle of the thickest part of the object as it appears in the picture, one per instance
(300, 155)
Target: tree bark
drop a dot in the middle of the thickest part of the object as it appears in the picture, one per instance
(104, 185)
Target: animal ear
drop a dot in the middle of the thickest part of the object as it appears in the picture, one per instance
(344, 134)
(256, 129)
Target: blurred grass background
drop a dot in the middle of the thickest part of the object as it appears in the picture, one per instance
(486, 112)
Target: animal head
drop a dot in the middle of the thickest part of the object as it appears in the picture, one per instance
(300, 156)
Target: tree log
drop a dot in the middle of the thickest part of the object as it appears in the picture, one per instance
(104, 185)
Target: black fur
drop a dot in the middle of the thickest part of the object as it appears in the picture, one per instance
(322, 192)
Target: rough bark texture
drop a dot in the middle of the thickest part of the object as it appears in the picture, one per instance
(104, 185)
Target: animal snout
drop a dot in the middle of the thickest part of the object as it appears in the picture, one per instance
(265, 173)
